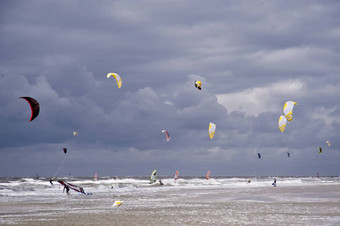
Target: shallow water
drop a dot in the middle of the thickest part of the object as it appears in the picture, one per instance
(187, 201)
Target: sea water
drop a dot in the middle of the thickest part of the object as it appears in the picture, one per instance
(186, 201)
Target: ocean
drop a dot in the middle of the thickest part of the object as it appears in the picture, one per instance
(186, 201)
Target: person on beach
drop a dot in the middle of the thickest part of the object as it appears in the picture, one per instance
(67, 189)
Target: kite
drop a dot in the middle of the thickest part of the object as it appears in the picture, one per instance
(288, 109)
(74, 187)
(176, 175)
(117, 77)
(35, 107)
(208, 175)
(167, 135)
(282, 123)
(117, 203)
(198, 85)
(212, 128)
(153, 177)
(259, 155)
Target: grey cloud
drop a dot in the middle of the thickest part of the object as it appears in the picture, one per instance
(59, 52)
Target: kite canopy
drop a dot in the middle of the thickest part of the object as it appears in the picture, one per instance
(329, 144)
(282, 123)
(72, 186)
(288, 154)
(117, 77)
(176, 175)
(212, 128)
(259, 155)
(288, 109)
(35, 107)
(167, 135)
(208, 175)
(75, 133)
(320, 150)
(65, 150)
(198, 85)
(153, 177)
(117, 203)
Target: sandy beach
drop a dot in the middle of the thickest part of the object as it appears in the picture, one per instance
(248, 205)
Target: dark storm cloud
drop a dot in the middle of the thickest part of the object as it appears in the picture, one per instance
(250, 56)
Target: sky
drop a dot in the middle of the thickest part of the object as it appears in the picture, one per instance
(251, 56)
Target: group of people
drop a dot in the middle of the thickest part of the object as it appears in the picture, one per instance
(67, 188)
(274, 183)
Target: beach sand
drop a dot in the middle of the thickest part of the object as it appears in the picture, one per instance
(289, 205)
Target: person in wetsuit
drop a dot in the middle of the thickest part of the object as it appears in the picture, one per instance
(67, 189)
(274, 183)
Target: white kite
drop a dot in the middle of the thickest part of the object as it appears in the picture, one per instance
(282, 123)
(288, 110)
(212, 128)
(117, 203)
(117, 77)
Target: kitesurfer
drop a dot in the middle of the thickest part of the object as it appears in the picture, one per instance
(51, 182)
(249, 180)
(274, 183)
(67, 189)
(160, 182)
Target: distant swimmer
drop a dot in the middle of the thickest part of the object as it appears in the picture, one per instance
(274, 183)
(160, 182)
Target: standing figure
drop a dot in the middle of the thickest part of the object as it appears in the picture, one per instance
(274, 183)
(67, 189)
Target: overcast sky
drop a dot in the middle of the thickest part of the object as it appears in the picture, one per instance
(251, 56)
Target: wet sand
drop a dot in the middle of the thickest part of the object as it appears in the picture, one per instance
(309, 205)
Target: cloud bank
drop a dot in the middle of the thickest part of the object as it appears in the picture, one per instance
(250, 56)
